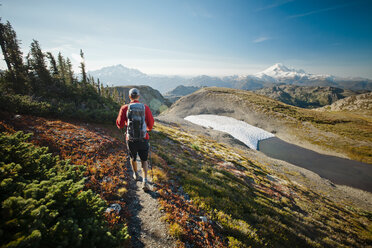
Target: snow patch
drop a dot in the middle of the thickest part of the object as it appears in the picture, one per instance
(240, 130)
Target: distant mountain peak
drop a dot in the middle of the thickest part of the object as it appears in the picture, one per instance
(118, 69)
(278, 67)
(278, 73)
(280, 70)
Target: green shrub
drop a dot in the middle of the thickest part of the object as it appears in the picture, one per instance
(63, 108)
(24, 104)
(44, 203)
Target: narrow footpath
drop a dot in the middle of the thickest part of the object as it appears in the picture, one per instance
(145, 225)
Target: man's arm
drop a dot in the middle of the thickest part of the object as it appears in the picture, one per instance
(121, 121)
(149, 118)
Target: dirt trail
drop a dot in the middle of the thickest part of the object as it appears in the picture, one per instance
(145, 225)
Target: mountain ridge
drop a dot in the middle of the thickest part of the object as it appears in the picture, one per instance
(278, 73)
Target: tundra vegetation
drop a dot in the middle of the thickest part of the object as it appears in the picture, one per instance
(245, 204)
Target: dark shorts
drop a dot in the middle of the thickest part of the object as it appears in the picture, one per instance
(141, 147)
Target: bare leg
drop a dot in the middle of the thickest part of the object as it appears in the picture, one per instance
(144, 168)
(145, 187)
(134, 165)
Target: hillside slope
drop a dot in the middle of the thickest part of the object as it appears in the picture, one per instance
(99, 155)
(328, 133)
(250, 203)
(305, 97)
(210, 194)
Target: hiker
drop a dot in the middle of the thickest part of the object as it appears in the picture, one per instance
(138, 119)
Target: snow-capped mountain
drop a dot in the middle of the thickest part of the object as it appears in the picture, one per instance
(280, 72)
(120, 75)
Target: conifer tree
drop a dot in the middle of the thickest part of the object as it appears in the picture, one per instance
(98, 87)
(70, 73)
(82, 66)
(38, 65)
(115, 95)
(53, 64)
(102, 90)
(62, 72)
(51, 86)
(13, 58)
(91, 81)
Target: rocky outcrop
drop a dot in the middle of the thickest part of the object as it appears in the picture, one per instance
(305, 96)
(361, 103)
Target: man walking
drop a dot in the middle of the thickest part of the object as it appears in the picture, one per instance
(138, 119)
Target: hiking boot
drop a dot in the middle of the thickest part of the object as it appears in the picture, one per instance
(145, 186)
(135, 176)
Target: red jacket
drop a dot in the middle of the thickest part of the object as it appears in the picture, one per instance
(122, 119)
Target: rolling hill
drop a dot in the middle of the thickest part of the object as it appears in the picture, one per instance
(328, 133)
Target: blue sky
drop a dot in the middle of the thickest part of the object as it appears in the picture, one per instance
(216, 37)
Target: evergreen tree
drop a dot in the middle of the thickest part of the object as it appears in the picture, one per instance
(98, 87)
(52, 88)
(91, 81)
(53, 64)
(62, 72)
(13, 58)
(115, 95)
(82, 66)
(42, 80)
(70, 73)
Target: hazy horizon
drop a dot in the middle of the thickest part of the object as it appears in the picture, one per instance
(221, 75)
(190, 38)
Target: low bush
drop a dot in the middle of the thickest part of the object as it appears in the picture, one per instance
(44, 202)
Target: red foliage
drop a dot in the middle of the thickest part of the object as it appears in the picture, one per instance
(186, 213)
(103, 156)
(106, 172)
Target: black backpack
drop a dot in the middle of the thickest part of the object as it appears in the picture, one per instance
(136, 129)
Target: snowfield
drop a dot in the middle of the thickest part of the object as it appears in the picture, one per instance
(248, 134)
